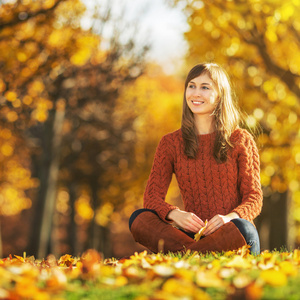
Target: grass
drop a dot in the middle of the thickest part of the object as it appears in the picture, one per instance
(218, 276)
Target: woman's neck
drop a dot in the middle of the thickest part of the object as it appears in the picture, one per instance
(204, 124)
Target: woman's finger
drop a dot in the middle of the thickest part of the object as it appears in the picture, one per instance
(198, 220)
(194, 226)
(211, 228)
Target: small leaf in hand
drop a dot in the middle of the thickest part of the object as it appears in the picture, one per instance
(200, 232)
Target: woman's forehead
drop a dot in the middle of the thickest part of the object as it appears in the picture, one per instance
(202, 77)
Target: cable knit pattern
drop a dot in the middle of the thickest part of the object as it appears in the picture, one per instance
(207, 188)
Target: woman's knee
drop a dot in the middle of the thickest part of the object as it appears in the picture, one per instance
(138, 212)
(250, 234)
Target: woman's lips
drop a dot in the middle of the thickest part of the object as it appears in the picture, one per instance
(197, 102)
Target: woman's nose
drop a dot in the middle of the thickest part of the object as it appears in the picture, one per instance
(197, 92)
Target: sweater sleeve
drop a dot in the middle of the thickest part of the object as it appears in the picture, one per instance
(249, 179)
(159, 180)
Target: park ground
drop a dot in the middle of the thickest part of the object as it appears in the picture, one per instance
(230, 275)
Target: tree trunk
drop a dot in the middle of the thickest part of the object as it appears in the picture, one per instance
(93, 230)
(1, 247)
(272, 222)
(104, 241)
(50, 195)
(41, 171)
(72, 238)
(99, 236)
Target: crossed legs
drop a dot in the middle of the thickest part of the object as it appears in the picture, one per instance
(156, 235)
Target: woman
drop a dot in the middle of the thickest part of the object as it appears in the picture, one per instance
(217, 168)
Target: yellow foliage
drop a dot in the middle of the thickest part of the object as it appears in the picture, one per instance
(209, 278)
(12, 200)
(5, 133)
(288, 268)
(15, 178)
(57, 38)
(27, 48)
(10, 96)
(7, 149)
(181, 288)
(81, 56)
(104, 213)
(2, 86)
(274, 277)
(83, 207)
(48, 3)
(240, 263)
(11, 116)
(36, 88)
(27, 100)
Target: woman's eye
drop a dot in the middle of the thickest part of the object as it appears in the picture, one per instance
(205, 88)
(192, 86)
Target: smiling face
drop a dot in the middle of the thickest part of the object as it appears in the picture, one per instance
(201, 95)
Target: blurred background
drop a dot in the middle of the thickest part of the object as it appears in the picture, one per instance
(88, 88)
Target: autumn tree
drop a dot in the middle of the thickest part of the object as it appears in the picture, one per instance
(60, 92)
(258, 43)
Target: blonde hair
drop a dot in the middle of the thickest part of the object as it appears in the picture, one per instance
(226, 113)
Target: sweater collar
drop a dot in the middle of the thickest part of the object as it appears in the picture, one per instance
(207, 137)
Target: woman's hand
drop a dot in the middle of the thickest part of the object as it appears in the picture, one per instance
(186, 220)
(217, 221)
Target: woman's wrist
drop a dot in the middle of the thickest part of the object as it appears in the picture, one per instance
(172, 214)
(232, 215)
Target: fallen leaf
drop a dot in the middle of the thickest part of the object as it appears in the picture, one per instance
(288, 268)
(253, 292)
(200, 232)
(163, 270)
(241, 281)
(209, 279)
(239, 262)
(273, 277)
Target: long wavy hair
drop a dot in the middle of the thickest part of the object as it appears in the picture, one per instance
(226, 114)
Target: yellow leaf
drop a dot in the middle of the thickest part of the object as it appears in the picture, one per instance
(40, 115)
(227, 272)
(200, 232)
(10, 96)
(241, 281)
(288, 268)
(296, 255)
(7, 149)
(244, 251)
(5, 133)
(12, 116)
(27, 100)
(4, 294)
(209, 279)
(66, 260)
(121, 281)
(239, 262)
(57, 38)
(131, 272)
(254, 291)
(81, 56)
(163, 270)
(2, 86)
(21, 56)
(273, 277)
(178, 287)
(20, 258)
(184, 274)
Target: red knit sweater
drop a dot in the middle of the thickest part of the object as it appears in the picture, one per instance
(207, 188)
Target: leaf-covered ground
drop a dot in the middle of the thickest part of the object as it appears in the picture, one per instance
(232, 275)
